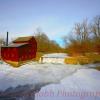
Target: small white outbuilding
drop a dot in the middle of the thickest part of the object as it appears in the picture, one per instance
(53, 58)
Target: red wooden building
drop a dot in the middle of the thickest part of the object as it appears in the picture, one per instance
(21, 50)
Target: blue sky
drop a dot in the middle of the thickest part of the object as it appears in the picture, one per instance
(55, 17)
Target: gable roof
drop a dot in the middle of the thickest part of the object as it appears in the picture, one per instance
(23, 39)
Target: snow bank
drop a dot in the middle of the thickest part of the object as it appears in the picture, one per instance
(32, 73)
(23, 81)
(73, 87)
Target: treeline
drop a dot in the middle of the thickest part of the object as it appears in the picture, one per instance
(84, 38)
(45, 45)
(2, 42)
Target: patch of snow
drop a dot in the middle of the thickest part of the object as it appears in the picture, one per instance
(56, 55)
(73, 87)
(53, 58)
(32, 73)
(23, 81)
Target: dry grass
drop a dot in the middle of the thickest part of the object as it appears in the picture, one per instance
(88, 58)
(93, 57)
(13, 63)
(77, 60)
(97, 68)
(18, 63)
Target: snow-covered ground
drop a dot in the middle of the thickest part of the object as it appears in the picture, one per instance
(82, 85)
(32, 73)
(23, 81)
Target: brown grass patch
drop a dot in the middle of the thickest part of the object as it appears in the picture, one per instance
(97, 68)
(88, 58)
(77, 60)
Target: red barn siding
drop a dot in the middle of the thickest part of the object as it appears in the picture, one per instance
(8, 53)
(22, 52)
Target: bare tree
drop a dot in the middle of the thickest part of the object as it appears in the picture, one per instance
(44, 44)
(2, 42)
(79, 39)
(95, 27)
(81, 31)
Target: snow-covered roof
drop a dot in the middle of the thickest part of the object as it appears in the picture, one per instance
(15, 45)
(55, 55)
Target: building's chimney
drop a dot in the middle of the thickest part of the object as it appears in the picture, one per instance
(7, 39)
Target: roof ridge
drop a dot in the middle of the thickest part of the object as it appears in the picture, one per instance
(23, 39)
